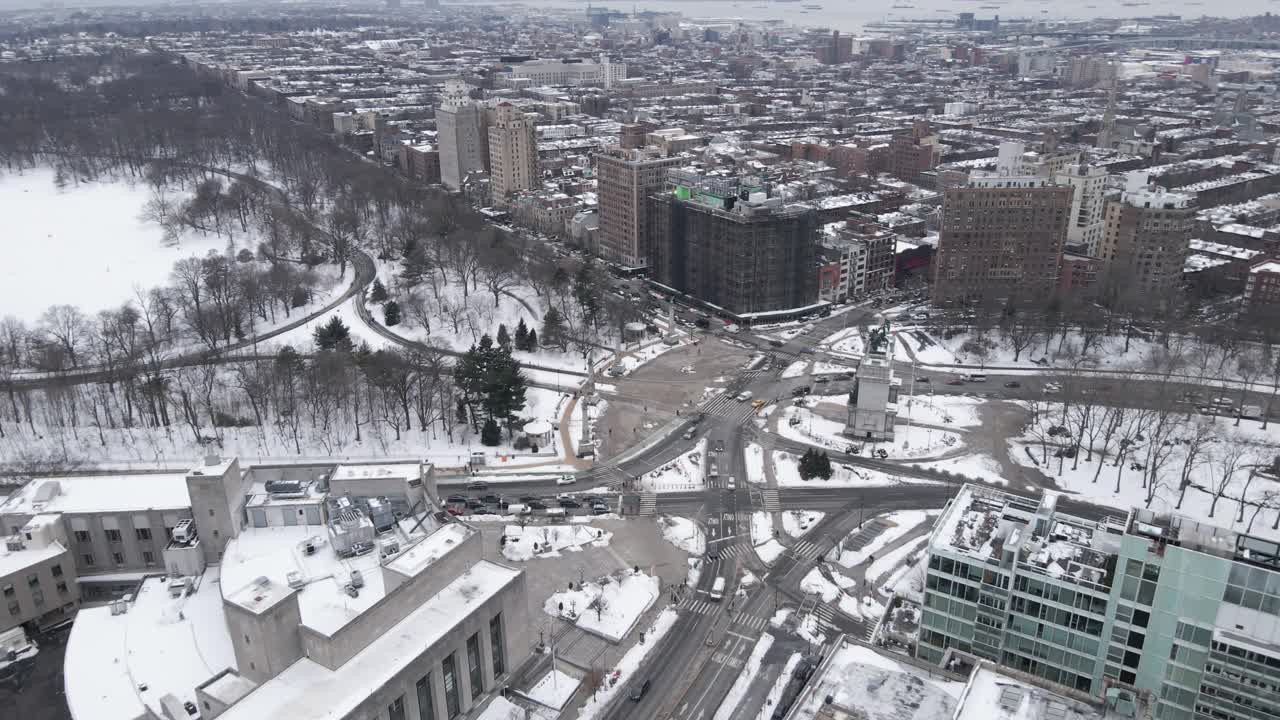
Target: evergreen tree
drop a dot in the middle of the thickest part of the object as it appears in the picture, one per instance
(553, 329)
(806, 465)
(491, 434)
(522, 336)
(532, 343)
(823, 466)
(415, 266)
(391, 313)
(378, 293)
(504, 337)
(334, 335)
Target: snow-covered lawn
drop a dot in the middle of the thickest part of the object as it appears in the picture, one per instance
(620, 675)
(983, 468)
(686, 472)
(925, 348)
(907, 580)
(608, 607)
(779, 687)
(684, 534)
(943, 410)
(553, 690)
(786, 470)
(797, 523)
(845, 342)
(812, 428)
(729, 706)
(901, 523)
(754, 458)
(84, 245)
(815, 584)
(795, 369)
(908, 442)
(769, 551)
(545, 541)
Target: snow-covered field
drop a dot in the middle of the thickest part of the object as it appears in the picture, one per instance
(902, 522)
(83, 245)
(621, 674)
(729, 706)
(609, 607)
(797, 523)
(546, 541)
(686, 472)
(795, 369)
(786, 470)
(684, 534)
(943, 410)
(847, 342)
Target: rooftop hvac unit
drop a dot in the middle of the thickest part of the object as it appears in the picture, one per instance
(286, 488)
(14, 543)
(357, 580)
(184, 531)
(295, 579)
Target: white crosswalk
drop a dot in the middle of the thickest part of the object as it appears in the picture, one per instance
(732, 551)
(751, 622)
(648, 503)
(805, 550)
(693, 603)
(769, 497)
(726, 406)
(826, 616)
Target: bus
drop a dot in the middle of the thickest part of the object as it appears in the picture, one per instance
(717, 589)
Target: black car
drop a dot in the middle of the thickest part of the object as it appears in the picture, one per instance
(1013, 384)
(536, 505)
(477, 485)
(638, 691)
(475, 504)
(923, 379)
(526, 499)
(492, 499)
(570, 503)
(776, 343)
(822, 380)
(802, 390)
(455, 499)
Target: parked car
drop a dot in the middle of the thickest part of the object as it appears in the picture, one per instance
(537, 505)
(456, 499)
(477, 485)
(570, 503)
(475, 504)
(528, 498)
(491, 499)
(802, 390)
(719, 447)
(638, 691)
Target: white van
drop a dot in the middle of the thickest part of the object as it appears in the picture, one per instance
(717, 589)
(518, 509)
(744, 396)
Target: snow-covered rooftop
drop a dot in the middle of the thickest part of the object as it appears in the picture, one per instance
(865, 684)
(409, 470)
(307, 689)
(431, 548)
(100, 494)
(992, 695)
(12, 561)
(162, 645)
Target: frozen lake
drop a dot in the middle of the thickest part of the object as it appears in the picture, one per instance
(82, 245)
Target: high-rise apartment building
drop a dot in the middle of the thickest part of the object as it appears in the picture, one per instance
(1145, 241)
(725, 242)
(1182, 611)
(625, 179)
(1001, 236)
(460, 131)
(513, 152)
(913, 152)
(1088, 189)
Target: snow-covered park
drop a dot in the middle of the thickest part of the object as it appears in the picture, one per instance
(523, 543)
(609, 606)
(686, 472)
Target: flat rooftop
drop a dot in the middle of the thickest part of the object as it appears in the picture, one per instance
(410, 470)
(867, 685)
(100, 494)
(415, 559)
(165, 645)
(12, 561)
(309, 690)
(992, 695)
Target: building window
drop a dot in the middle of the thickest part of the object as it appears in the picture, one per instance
(118, 558)
(143, 533)
(148, 557)
(62, 587)
(113, 536)
(88, 559)
(495, 639)
(426, 709)
(14, 608)
(33, 580)
(473, 665)
(57, 571)
(37, 597)
(82, 536)
(395, 711)
(8, 591)
(451, 702)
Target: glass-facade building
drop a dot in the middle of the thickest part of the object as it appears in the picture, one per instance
(1187, 612)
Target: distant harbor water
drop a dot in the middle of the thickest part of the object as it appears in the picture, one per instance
(852, 16)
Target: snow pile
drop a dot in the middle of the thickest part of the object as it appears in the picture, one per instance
(769, 551)
(809, 632)
(553, 690)
(748, 579)
(618, 678)
(826, 368)
(797, 523)
(681, 474)
(780, 617)
(503, 709)
(609, 607)
(887, 564)
(684, 534)
(754, 456)
(900, 523)
(729, 706)
(761, 527)
(524, 543)
(815, 584)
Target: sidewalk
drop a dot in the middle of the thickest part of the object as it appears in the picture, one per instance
(858, 573)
